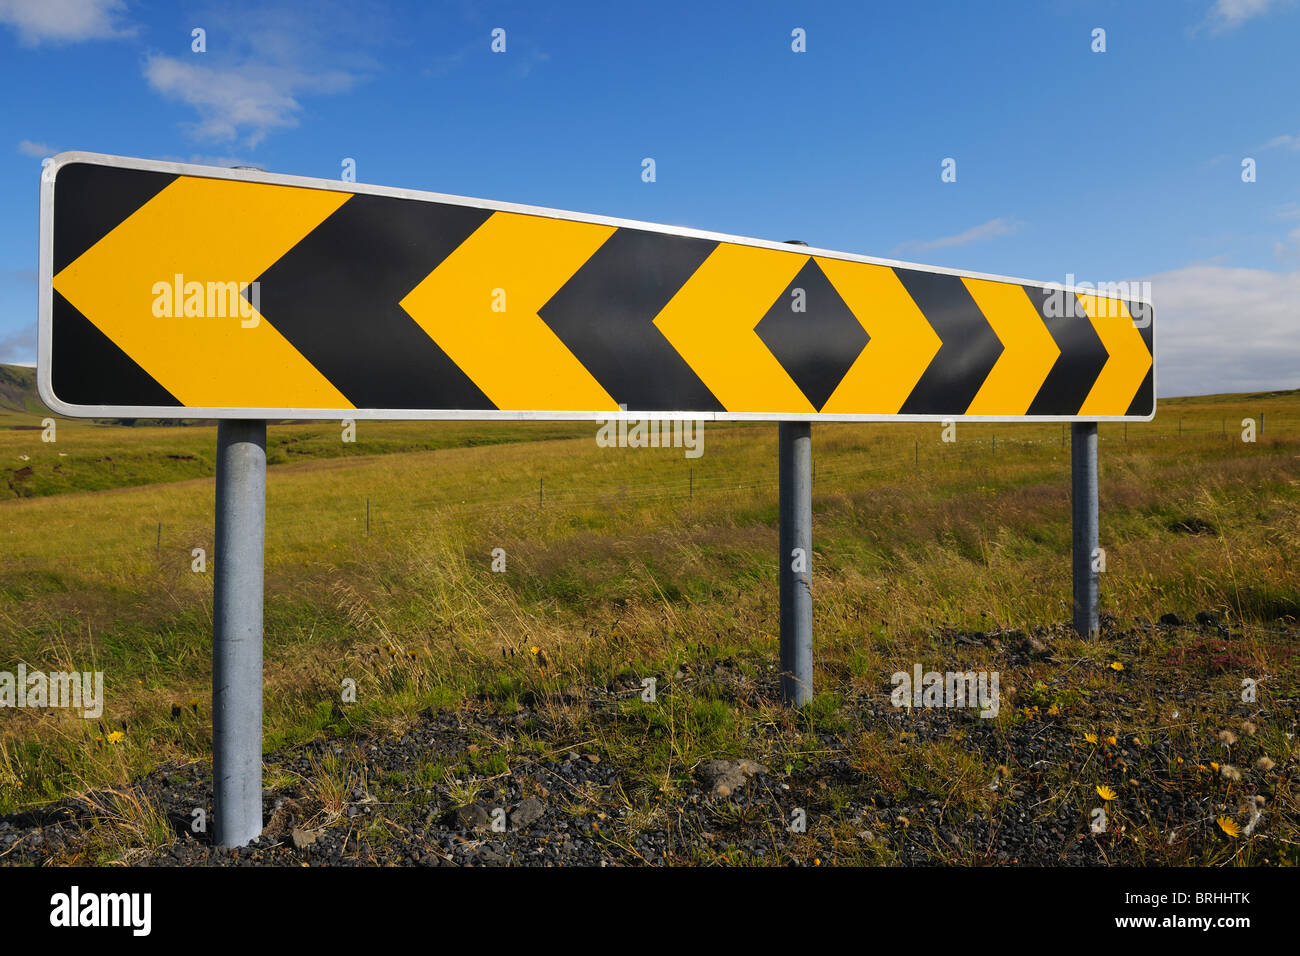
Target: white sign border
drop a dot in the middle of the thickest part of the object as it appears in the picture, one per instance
(45, 297)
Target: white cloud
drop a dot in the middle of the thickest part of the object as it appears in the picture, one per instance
(37, 150)
(64, 21)
(1285, 141)
(988, 230)
(1289, 247)
(1222, 329)
(1229, 14)
(267, 58)
(19, 346)
(247, 100)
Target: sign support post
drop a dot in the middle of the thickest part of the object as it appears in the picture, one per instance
(237, 632)
(795, 454)
(1083, 506)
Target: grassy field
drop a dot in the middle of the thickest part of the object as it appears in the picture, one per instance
(626, 563)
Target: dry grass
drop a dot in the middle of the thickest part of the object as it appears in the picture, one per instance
(622, 570)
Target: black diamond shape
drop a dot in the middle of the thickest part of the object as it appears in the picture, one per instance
(817, 346)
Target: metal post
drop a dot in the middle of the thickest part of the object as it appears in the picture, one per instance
(1083, 501)
(795, 471)
(237, 632)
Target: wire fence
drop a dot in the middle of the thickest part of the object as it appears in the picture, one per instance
(304, 523)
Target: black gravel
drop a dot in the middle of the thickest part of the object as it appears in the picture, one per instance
(560, 804)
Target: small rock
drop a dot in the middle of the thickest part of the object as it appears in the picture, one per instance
(725, 777)
(304, 838)
(475, 816)
(593, 758)
(1173, 620)
(530, 810)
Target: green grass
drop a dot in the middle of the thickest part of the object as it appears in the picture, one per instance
(636, 562)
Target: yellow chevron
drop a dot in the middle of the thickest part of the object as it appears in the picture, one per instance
(1028, 352)
(711, 319)
(512, 355)
(207, 230)
(902, 341)
(1124, 371)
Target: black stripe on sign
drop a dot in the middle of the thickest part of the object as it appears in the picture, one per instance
(335, 297)
(1144, 402)
(87, 368)
(1082, 355)
(605, 316)
(969, 351)
(92, 201)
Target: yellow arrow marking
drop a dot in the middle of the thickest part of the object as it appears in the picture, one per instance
(1122, 375)
(206, 230)
(902, 341)
(1028, 349)
(512, 355)
(711, 319)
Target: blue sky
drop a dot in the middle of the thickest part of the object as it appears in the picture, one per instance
(1123, 164)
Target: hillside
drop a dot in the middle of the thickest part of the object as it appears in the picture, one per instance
(18, 394)
(475, 686)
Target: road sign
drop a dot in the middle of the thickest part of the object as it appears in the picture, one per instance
(170, 290)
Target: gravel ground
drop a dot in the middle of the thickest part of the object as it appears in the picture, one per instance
(574, 805)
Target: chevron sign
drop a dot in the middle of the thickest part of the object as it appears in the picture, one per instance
(170, 290)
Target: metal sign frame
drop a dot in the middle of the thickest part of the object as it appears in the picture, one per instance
(45, 292)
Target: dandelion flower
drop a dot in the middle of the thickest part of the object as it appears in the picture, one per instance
(1229, 826)
(116, 737)
(1105, 792)
(1116, 666)
(1091, 738)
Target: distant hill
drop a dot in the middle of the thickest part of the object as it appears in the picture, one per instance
(18, 390)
